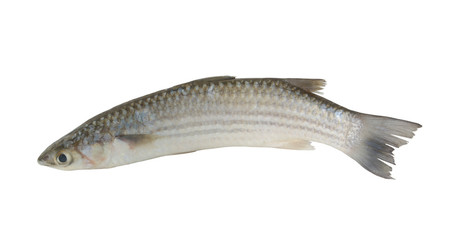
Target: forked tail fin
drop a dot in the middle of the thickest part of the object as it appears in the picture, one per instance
(379, 136)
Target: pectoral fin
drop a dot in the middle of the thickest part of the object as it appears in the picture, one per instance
(134, 140)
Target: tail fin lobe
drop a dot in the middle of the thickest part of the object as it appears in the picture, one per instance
(379, 136)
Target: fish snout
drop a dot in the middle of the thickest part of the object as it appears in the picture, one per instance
(44, 160)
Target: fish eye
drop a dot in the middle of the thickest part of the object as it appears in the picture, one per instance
(63, 158)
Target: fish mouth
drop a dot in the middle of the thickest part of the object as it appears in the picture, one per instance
(43, 163)
(44, 160)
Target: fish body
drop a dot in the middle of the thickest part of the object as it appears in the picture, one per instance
(226, 111)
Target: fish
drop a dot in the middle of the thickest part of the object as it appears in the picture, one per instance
(225, 111)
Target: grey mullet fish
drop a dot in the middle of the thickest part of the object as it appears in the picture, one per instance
(226, 111)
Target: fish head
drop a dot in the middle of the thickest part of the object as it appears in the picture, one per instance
(71, 155)
(59, 157)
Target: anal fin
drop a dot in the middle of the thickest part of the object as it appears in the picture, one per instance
(294, 144)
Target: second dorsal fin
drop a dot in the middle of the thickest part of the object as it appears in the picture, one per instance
(310, 85)
(307, 84)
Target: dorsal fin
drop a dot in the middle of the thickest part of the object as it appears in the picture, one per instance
(310, 85)
(213, 79)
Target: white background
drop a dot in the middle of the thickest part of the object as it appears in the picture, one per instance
(62, 62)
